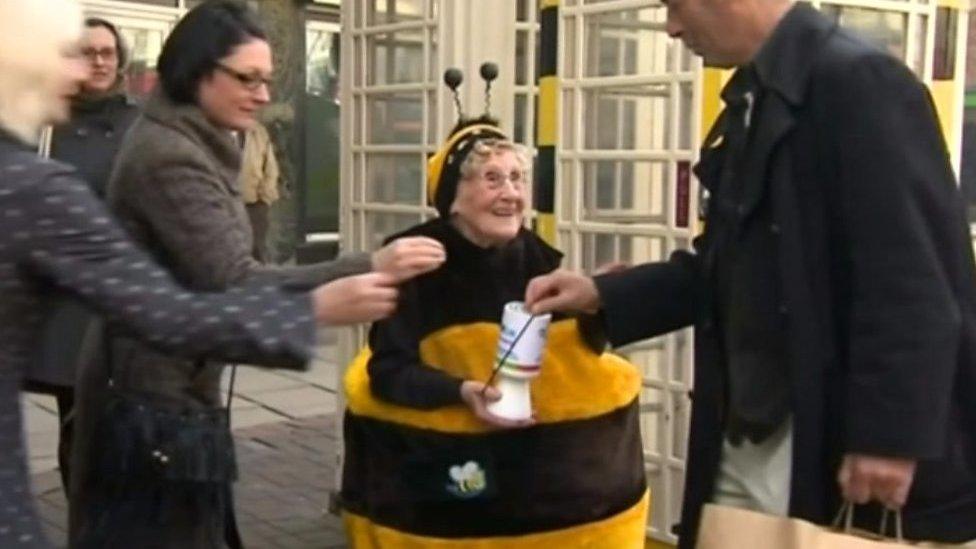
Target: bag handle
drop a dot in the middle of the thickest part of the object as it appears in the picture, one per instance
(846, 514)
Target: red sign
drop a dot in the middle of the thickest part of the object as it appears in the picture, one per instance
(682, 203)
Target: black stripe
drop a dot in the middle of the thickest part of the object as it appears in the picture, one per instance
(545, 192)
(544, 478)
(548, 40)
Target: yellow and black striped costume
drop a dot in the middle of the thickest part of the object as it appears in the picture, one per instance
(421, 471)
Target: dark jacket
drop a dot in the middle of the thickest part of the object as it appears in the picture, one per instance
(89, 142)
(55, 234)
(850, 202)
(175, 187)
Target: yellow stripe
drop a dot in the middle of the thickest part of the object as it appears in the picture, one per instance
(548, 108)
(712, 82)
(543, 4)
(575, 383)
(623, 531)
(546, 227)
(944, 98)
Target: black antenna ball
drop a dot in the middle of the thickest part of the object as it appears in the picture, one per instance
(453, 78)
(489, 71)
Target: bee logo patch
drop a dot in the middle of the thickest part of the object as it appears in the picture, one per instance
(466, 481)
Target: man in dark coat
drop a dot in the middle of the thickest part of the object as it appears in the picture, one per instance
(833, 290)
(100, 115)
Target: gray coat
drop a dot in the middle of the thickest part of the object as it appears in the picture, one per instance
(89, 142)
(175, 188)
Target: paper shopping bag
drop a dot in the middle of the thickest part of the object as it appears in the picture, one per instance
(731, 528)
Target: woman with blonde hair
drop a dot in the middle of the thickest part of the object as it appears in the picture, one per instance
(54, 233)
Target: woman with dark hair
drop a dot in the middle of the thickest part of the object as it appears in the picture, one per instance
(56, 235)
(175, 186)
(100, 115)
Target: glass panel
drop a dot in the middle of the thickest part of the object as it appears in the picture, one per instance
(321, 132)
(565, 182)
(570, 113)
(433, 67)
(944, 56)
(144, 48)
(655, 482)
(626, 42)
(651, 358)
(520, 123)
(322, 64)
(523, 10)
(921, 32)
(394, 179)
(379, 12)
(396, 57)
(635, 250)
(652, 420)
(625, 191)
(886, 29)
(394, 118)
(686, 111)
(380, 225)
(569, 48)
(522, 57)
(598, 250)
(611, 115)
(681, 409)
(677, 495)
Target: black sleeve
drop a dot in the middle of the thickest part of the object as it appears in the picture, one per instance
(396, 373)
(70, 239)
(651, 299)
(899, 209)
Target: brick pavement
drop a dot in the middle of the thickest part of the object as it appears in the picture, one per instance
(287, 471)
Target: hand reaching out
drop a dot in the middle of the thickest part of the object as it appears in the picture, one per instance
(354, 299)
(407, 257)
(563, 291)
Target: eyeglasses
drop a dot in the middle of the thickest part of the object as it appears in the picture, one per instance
(494, 179)
(109, 54)
(250, 81)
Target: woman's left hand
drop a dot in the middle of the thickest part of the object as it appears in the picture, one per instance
(477, 397)
(410, 256)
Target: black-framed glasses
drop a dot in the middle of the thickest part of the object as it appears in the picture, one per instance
(109, 54)
(250, 81)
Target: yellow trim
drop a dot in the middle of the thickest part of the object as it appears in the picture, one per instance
(954, 4)
(545, 227)
(543, 4)
(944, 97)
(622, 531)
(575, 383)
(435, 164)
(548, 108)
(712, 82)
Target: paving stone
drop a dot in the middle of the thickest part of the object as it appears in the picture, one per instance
(282, 494)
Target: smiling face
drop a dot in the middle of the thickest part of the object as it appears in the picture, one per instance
(237, 89)
(492, 195)
(102, 52)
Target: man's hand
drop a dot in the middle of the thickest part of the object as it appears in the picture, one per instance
(353, 299)
(864, 478)
(407, 257)
(477, 397)
(562, 291)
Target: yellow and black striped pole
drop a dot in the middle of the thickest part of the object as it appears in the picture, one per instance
(546, 125)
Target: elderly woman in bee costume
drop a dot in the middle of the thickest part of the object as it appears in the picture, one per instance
(427, 464)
